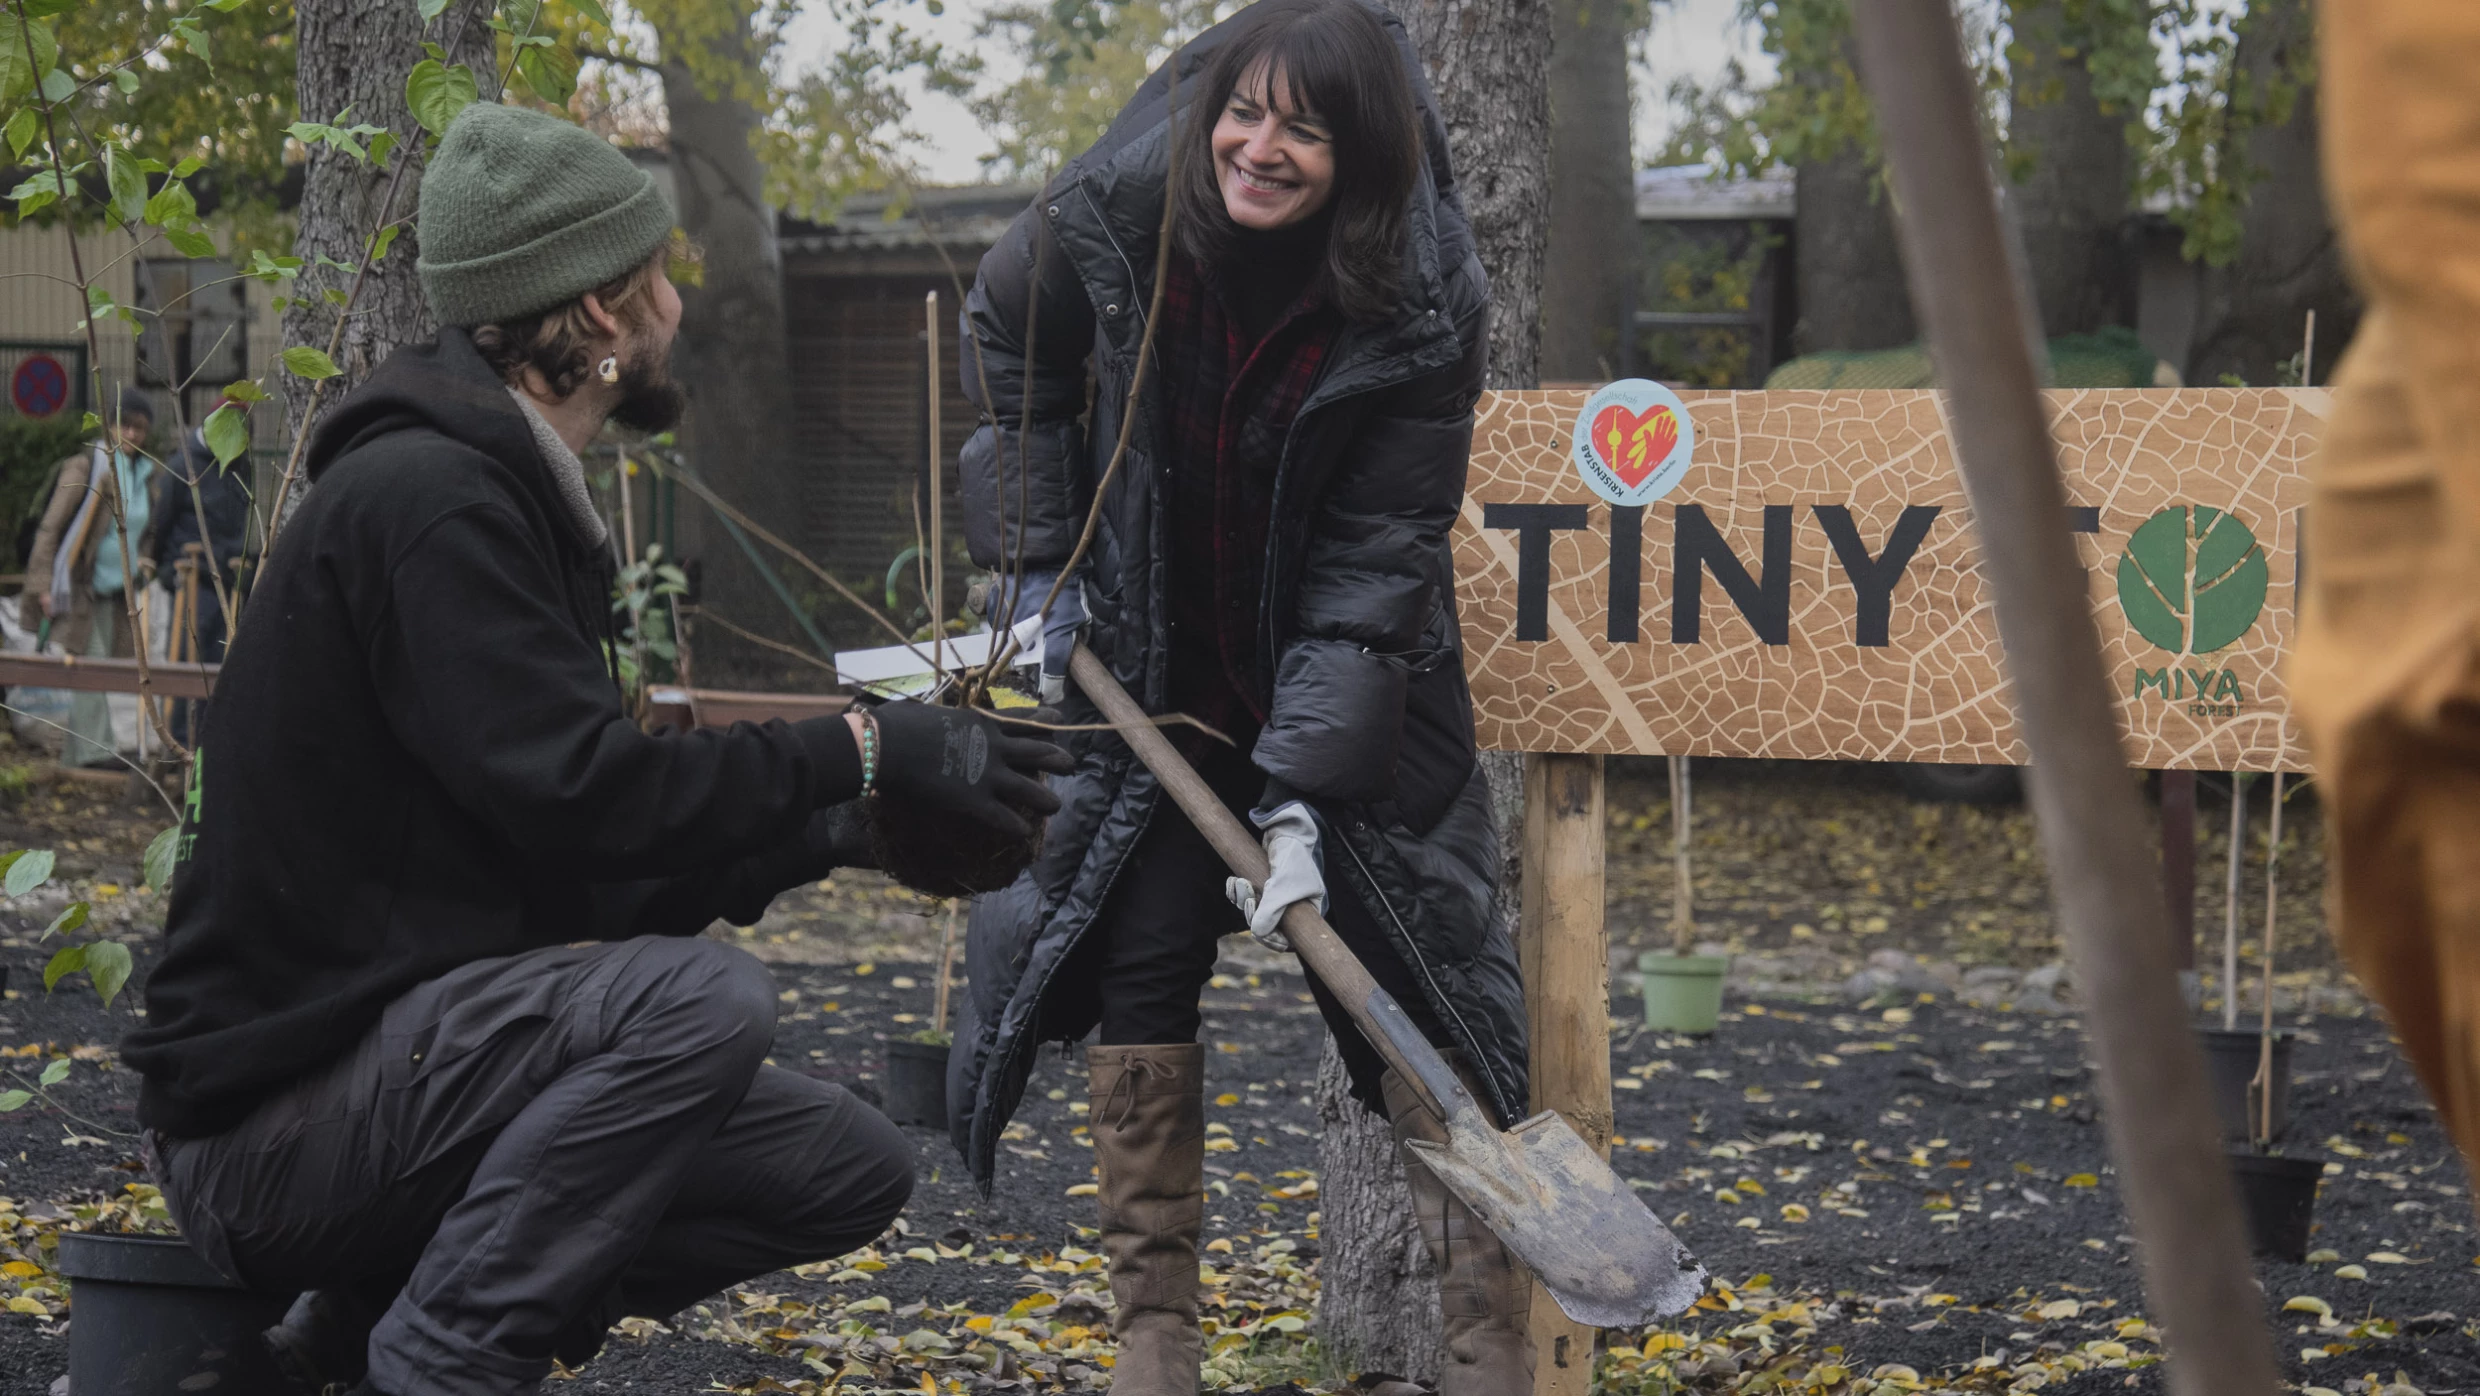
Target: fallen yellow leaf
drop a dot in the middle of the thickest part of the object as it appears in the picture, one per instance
(1083, 1190)
(2081, 1180)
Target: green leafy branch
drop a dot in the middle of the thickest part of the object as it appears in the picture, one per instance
(106, 963)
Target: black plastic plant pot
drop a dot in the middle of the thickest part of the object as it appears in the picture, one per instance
(2279, 1197)
(917, 1083)
(2231, 1058)
(152, 1319)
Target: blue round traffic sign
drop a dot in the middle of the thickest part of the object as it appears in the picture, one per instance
(40, 387)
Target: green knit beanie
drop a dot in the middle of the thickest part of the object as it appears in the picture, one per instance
(522, 212)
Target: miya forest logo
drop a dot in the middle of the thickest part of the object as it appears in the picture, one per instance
(2192, 581)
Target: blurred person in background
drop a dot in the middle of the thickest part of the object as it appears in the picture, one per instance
(92, 542)
(200, 501)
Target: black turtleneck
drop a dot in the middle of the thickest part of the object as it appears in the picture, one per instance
(1261, 275)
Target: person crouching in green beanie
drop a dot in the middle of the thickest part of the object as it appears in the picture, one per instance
(434, 1039)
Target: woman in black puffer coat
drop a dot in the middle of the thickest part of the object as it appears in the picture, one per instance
(1272, 558)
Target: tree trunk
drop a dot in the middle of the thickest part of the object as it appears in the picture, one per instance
(731, 352)
(355, 54)
(1593, 241)
(2250, 314)
(1377, 1290)
(2070, 208)
(1488, 61)
(1850, 277)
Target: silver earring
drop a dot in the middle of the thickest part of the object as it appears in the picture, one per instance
(609, 369)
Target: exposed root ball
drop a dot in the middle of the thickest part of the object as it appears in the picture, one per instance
(939, 856)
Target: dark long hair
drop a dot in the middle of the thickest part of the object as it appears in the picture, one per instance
(1335, 59)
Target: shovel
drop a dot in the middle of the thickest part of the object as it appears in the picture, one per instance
(1538, 1187)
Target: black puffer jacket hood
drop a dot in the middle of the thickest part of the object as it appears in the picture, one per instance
(1370, 716)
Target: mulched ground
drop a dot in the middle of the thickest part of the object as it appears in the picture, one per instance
(1904, 1193)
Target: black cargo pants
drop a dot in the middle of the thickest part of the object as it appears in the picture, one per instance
(528, 1149)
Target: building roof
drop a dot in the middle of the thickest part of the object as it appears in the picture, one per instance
(1677, 193)
(964, 216)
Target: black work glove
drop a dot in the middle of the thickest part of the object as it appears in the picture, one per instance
(841, 834)
(960, 761)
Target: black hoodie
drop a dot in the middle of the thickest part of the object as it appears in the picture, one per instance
(417, 757)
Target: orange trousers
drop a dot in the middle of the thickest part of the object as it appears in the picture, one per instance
(2386, 675)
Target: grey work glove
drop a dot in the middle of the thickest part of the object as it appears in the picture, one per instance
(1059, 632)
(1290, 834)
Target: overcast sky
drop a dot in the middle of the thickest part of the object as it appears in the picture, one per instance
(1690, 37)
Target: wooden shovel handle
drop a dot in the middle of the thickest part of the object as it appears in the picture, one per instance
(1381, 1019)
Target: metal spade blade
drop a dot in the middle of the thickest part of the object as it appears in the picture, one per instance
(1538, 1187)
(1605, 1259)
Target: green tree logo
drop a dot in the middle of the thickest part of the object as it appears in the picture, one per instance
(2192, 580)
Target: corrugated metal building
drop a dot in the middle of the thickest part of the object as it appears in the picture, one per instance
(206, 327)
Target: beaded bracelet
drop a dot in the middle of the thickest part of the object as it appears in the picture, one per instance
(869, 752)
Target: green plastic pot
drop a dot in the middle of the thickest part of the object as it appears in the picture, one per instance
(1683, 993)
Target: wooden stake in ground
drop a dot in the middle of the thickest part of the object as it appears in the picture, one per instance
(947, 968)
(1683, 885)
(936, 602)
(1563, 946)
(2230, 902)
(2260, 1098)
(628, 515)
(2163, 1132)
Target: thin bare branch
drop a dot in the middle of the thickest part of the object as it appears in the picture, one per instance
(1145, 351)
(778, 646)
(762, 534)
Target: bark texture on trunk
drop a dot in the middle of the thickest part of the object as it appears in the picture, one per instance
(731, 354)
(2250, 314)
(1593, 241)
(2070, 208)
(1851, 288)
(1488, 62)
(355, 54)
(1378, 1291)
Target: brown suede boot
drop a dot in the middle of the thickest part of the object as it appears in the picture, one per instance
(1484, 1293)
(1149, 1131)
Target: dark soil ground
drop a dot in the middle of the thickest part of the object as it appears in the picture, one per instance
(1900, 1194)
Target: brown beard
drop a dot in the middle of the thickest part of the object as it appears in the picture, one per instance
(651, 400)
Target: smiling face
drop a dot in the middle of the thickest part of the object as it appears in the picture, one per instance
(1274, 163)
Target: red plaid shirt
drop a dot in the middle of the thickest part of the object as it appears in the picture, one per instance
(1231, 404)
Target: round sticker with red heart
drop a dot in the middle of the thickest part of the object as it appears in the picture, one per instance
(1633, 441)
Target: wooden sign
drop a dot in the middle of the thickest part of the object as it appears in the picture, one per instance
(1808, 585)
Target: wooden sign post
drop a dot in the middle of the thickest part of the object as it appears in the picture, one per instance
(1808, 587)
(1566, 962)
